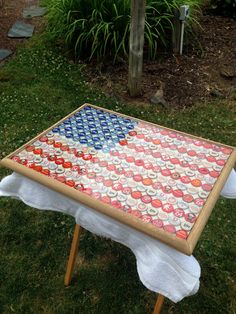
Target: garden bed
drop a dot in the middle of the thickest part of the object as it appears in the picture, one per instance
(206, 70)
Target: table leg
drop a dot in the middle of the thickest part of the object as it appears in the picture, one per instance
(73, 254)
(159, 303)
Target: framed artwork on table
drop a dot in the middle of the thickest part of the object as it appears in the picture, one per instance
(159, 181)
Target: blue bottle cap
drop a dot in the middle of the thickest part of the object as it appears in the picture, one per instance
(120, 135)
(69, 135)
(55, 130)
(98, 146)
(83, 140)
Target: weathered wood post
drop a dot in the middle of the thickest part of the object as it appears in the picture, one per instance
(176, 31)
(136, 43)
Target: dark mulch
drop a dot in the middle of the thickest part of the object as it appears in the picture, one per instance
(206, 70)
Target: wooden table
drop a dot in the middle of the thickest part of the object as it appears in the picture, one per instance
(159, 181)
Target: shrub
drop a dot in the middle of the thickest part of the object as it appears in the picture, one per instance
(98, 29)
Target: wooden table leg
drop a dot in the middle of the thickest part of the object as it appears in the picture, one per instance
(73, 254)
(159, 303)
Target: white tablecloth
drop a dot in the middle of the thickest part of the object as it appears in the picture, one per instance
(160, 268)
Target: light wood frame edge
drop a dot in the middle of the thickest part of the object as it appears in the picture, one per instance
(185, 246)
(117, 113)
(106, 209)
(44, 132)
(161, 126)
(210, 203)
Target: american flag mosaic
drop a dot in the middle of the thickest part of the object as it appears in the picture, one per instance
(158, 175)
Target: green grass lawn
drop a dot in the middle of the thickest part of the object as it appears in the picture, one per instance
(37, 88)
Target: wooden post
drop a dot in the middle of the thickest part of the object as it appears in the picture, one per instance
(73, 254)
(136, 42)
(176, 32)
(159, 303)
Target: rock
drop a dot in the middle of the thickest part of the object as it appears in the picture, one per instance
(232, 92)
(228, 72)
(159, 101)
(216, 93)
(21, 30)
(34, 12)
(4, 53)
(158, 97)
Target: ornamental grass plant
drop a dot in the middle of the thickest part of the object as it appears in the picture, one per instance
(100, 29)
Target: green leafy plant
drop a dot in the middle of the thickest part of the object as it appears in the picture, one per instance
(99, 29)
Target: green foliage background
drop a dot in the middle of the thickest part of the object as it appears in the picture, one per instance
(99, 29)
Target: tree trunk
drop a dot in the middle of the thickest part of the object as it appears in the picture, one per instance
(136, 43)
(176, 32)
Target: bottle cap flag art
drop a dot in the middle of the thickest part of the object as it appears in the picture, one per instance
(159, 181)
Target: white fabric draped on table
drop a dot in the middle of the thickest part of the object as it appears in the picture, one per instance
(160, 268)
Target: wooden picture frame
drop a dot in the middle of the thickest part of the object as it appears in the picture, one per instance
(185, 245)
